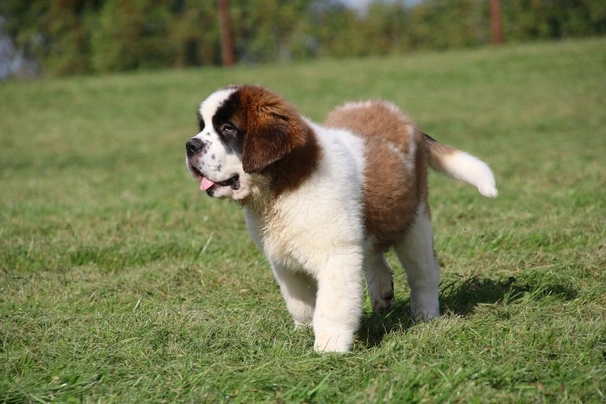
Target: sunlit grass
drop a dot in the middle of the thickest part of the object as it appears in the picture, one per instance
(121, 282)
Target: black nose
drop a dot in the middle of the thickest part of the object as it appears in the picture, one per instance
(193, 146)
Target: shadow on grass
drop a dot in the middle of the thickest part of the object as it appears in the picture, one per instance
(460, 298)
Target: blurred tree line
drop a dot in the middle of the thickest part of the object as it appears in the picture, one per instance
(89, 36)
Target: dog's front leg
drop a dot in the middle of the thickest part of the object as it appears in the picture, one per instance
(338, 302)
(299, 292)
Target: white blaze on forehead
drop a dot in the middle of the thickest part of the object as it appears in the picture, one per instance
(209, 106)
(215, 164)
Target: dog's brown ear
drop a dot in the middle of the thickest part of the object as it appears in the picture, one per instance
(274, 128)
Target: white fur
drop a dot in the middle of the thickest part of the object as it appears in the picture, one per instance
(223, 165)
(415, 252)
(379, 280)
(465, 167)
(314, 242)
(357, 104)
(210, 105)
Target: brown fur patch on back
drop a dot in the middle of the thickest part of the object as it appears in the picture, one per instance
(395, 174)
(278, 141)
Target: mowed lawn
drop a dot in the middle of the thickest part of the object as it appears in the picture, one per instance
(121, 282)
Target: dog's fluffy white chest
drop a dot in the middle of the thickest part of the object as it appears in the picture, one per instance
(300, 229)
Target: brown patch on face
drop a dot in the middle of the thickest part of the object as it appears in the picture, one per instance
(278, 141)
(391, 191)
(273, 128)
(289, 172)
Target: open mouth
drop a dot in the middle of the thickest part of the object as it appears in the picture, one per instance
(232, 182)
(206, 184)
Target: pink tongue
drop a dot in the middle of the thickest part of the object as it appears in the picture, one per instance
(205, 184)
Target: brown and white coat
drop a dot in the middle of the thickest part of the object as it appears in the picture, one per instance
(325, 203)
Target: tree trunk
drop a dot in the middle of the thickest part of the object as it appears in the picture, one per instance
(227, 50)
(495, 22)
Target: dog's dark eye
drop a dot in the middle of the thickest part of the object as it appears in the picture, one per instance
(228, 130)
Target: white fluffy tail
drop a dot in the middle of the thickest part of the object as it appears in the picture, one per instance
(465, 167)
(461, 166)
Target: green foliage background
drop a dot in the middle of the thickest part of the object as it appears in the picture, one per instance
(97, 36)
(121, 282)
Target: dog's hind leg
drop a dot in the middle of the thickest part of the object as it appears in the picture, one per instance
(416, 253)
(379, 280)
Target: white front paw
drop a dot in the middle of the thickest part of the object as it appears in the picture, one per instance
(337, 342)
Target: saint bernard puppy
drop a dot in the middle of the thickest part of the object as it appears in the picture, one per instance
(324, 203)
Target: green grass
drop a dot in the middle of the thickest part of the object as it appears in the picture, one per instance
(121, 282)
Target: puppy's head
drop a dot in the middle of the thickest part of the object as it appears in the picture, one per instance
(243, 131)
